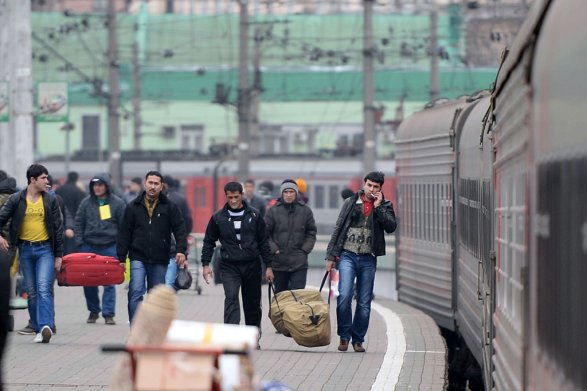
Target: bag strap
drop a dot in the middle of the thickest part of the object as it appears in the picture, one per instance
(327, 274)
(270, 288)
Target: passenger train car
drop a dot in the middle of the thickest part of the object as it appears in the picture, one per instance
(204, 180)
(492, 190)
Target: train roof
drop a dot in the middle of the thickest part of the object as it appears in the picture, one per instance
(558, 82)
(531, 24)
(471, 122)
(432, 121)
(470, 135)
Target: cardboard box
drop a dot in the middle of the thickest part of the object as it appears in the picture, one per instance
(167, 371)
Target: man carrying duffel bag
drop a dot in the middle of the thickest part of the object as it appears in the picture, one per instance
(96, 229)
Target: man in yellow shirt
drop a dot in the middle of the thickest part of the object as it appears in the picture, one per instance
(37, 229)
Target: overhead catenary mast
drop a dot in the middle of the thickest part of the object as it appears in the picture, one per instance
(16, 136)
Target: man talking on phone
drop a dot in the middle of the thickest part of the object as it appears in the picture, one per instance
(358, 239)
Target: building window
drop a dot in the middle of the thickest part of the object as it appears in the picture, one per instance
(91, 132)
(272, 140)
(168, 131)
(192, 137)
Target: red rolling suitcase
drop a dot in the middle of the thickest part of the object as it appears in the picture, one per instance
(89, 269)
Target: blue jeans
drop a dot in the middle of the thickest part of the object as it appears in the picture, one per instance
(91, 292)
(362, 267)
(171, 273)
(153, 273)
(38, 269)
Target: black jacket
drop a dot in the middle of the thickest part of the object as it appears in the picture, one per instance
(148, 239)
(7, 187)
(383, 221)
(186, 212)
(15, 208)
(253, 244)
(90, 229)
(292, 231)
(72, 196)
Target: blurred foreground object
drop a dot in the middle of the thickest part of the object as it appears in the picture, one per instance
(150, 326)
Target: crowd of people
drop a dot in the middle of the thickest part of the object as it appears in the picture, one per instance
(148, 226)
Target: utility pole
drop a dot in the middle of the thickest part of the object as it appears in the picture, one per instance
(369, 152)
(256, 93)
(136, 96)
(114, 99)
(244, 108)
(15, 67)
(434, 73)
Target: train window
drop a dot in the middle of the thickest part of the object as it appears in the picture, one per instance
(413, 208)
(407, 209)
(511, 242)
(448, 213)
(419, 211)
(333, 196)
(319, 197)
(427, 215)
(486, 221)
(200, 197)
(435, 195)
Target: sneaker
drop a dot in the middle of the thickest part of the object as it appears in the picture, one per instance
(109, 320)
(27, 330)
(92, 318)
(358, 346)
(38, 338)
(343, 346)
(46, 334)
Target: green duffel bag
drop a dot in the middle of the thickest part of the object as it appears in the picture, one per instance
(302, 314)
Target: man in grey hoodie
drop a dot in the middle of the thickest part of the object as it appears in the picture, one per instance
(97, 221)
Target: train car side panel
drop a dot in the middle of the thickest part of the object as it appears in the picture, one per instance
(424, 171)
(510, 179)
(559, 235)
(473, 215)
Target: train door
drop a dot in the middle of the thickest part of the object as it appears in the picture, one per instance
(205, 194)
(199, 197)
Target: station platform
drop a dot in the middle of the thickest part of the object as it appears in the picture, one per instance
(404, 348)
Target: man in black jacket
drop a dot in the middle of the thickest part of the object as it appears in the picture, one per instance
(37, 229)
(145, 233)
(292, 235)
(97, 222)
(242, 234)
(72, 195)
(358, 239)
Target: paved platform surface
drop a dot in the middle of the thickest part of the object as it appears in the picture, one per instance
(404, 349)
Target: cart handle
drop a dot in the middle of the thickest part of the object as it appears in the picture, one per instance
(116, 348)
